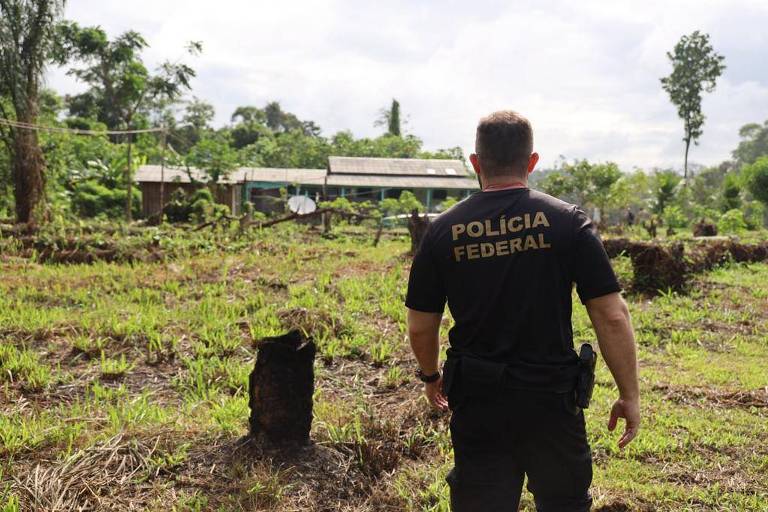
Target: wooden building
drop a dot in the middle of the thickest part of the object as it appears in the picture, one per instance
(154, 182)
(432, 181)
(359, 179)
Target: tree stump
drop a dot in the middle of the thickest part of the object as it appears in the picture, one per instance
(281, 387)
(417, 227)
(704, 228)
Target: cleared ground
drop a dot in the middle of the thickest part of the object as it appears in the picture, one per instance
(123, 386)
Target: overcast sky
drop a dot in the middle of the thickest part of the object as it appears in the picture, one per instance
(586, 73)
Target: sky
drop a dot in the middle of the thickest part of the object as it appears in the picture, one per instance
(585, 73)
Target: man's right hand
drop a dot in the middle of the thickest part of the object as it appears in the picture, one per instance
(434, 392)
(630, 411)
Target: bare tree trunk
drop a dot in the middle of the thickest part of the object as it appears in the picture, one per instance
(685, 165)
(28, 175)
(417, 227)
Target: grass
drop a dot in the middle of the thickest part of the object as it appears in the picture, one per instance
(159, 353)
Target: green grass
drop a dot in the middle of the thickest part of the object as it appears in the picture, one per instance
(165, 348)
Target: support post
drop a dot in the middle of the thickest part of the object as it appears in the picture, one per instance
(129, 182)
(162, 174)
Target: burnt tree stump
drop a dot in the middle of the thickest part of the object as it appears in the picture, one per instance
(417, 227)
(704, 228)
(280, 390)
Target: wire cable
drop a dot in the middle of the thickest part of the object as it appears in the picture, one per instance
(36, 127)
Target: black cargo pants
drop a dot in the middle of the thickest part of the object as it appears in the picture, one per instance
(499, 439)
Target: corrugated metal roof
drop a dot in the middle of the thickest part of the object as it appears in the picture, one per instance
(301, 176)
(396, 166)
(151, 174)
(437, 182)
(317, 177)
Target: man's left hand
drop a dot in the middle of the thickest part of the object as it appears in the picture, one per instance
(434, 392)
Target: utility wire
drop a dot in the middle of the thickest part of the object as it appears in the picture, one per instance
(78, 131)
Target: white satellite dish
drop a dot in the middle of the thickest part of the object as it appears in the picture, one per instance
(301, 205)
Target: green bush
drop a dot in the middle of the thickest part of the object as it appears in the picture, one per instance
(405, 204)
(674, 217)
(92, 199)
(756, 178)
(447, 203)
(732, 221)
(199, 206)
(754, 213)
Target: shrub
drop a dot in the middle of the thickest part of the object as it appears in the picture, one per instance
(756, 177)
(92, 199)
(449, 202)
(674, 217)
(732, 221)
(199, 206)
(405, 204)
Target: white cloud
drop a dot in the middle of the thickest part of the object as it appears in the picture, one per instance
(586, 73)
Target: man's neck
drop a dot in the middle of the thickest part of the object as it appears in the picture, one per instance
(504, 183)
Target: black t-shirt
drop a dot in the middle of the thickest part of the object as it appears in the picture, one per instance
(506, 262)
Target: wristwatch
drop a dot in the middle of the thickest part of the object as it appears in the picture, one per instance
(427, 378)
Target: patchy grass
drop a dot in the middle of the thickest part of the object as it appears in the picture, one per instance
(125, 384)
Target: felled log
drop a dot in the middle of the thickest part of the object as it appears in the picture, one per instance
(281, 386)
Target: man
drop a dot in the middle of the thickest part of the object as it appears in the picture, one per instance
(505, 260)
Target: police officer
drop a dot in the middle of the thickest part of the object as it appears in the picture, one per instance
(505, 260)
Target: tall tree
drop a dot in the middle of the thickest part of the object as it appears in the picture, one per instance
(27, 45)
(390, 117)
(394, 118)
(121, 91)
(695, 69)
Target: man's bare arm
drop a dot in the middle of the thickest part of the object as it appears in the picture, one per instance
(424, 335)
(613, 325)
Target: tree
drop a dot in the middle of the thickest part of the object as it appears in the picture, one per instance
(280, 121)
(391, 119)
(664, 186)
(588, 184)
(756, 178)
(121, 91)
(214, 156)
(754, 143)
(249, 124)
(27, 45)
(731, 193)
(195, 125)
(695, 68)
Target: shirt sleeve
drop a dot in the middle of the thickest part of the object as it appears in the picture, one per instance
(426, 290)
(592, 269)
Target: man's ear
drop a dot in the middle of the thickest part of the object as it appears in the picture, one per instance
(532, 162)
(476, 166)
(475, 163)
